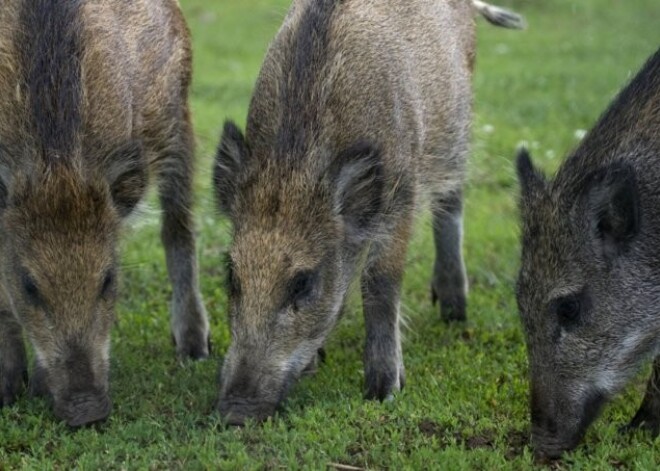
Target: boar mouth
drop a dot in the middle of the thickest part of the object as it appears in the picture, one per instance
(83, 409)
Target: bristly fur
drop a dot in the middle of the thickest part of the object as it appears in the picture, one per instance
(633, 116)
(51, 66)
(299, 84)
(360, 107)
(594, 230)
(94, 101)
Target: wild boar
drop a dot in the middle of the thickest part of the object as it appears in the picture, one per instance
(361, 109)
(589, 282)
(93, 102)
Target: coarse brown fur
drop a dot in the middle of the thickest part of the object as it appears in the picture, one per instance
(361, 111)
(589, 282)
(94, 103)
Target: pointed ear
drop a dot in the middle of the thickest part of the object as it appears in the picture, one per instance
(357, 179)
(230, 160)
(613, 207)
(127, 175)
(531, 180)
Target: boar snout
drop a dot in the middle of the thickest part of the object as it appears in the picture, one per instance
(235, 411)
(248, 397)
(558, 426)
(79, 385)
(252, 389)
(549, 443)
(83, 408)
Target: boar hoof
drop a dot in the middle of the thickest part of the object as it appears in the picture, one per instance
(382, 385)
(453, 311)
(12, 384)
(452, 308)
(190, 347)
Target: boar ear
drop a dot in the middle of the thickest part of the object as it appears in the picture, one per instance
(531, 180)
(613, 206)
(127, 175)
(357, 175)
(229, 161)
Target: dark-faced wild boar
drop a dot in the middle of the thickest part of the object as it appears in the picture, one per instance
(589, 284)
(93, 100)
(362, 108)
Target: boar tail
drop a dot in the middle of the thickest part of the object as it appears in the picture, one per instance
(499, 16)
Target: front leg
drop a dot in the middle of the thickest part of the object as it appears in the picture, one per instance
(13, 360)
(38, 386)
(189, 321)
(648, 415)
(381, 290)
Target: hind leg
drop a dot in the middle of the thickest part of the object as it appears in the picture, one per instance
(449, 283)
(13, 360)
(189, 321)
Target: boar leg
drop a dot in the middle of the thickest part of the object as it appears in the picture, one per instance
(648, 415)
(189, 322)
(381, 289)
(13, 361)
(449, 283)
(38, 386)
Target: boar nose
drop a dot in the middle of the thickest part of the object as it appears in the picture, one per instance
(544, 425)
(84, 408)
(242, 401)
(236, 411)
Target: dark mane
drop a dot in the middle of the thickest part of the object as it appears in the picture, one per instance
(631, 119)
(638, 95)
(51, 51)
(299, 87)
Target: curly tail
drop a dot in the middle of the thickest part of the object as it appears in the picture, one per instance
(499, 16)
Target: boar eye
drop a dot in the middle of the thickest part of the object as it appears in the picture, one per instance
(568, 309)
(30, 289)
(108, 283)
(301, 288)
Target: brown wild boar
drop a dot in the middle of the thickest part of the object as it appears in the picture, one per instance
(589, 282)
(93, 101)
(361, 110)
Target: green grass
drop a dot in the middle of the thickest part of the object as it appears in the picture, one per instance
(465, 403)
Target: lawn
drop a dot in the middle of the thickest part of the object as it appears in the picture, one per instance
(465, 402)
